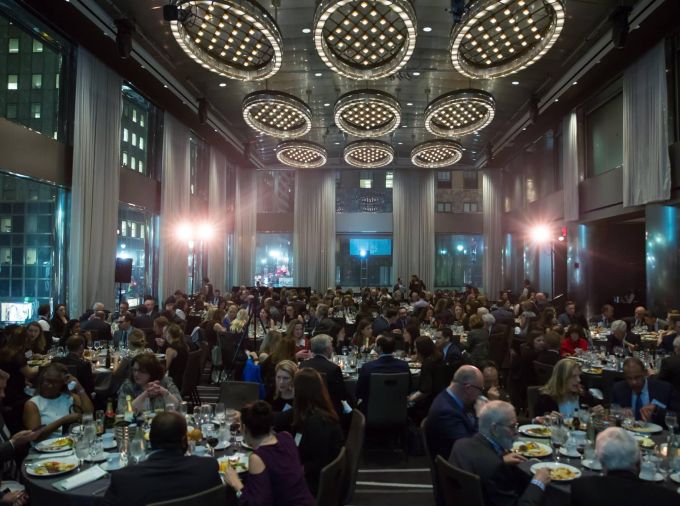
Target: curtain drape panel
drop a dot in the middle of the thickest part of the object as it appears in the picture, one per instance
(95, 185)
(245, 227)
(314, 226)
(175, 209)
(646, 163)
(493, 243)
(570, 164)
(217, 247)
(413, 225)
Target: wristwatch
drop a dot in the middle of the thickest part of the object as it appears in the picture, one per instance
(239, 493)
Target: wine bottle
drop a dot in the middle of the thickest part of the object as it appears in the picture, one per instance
(108, 358)
(129, 416)
(109, 415)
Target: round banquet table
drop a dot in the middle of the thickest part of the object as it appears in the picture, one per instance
(559, 494)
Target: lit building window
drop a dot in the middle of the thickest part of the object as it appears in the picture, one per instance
(125, 159)
(366, 179)
(13, 46)
(133, 163)
(134, 139)
(12, 81)
(134, 115)
(37, 46)
(36, 81)
(141, 143)
(125, 135)
(140, 166)
(389, 180)
(11, 111)
(35, 111)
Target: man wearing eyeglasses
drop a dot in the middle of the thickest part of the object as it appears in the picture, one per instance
(452, 416)
(487, 455)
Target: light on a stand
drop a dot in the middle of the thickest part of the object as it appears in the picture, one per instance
(540, 234)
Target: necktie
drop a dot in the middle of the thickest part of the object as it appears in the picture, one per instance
(638, 407)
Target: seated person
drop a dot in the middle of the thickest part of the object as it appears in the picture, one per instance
(275, 475)
(322, 347)
(435, 376)
(284, 392)
(488, 455)
(61, 401)
(666, 337)
(81, 369)
(136, 344)
(621, 337)
(492, 386)
(574, 339)
(449, 347)
(167, 473)
(605, 318)
(563, 393)
(176, 353)
(619, 455)
(148, 385)
(386, 363)
(654, 323)
(670, 368)
(648, 398)
(550, 354)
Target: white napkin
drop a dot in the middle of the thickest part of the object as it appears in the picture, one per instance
(80, 479)
(43, 456)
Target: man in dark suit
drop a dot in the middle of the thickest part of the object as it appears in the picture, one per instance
(382, 323)
(75, 364)
(451, 416)
(621, 337)
(167, 473)
(150, 304)
(638, 318)
(386, 363)
(670, 368)
(619, 454)
(450, 347)
(648, 398)
(322, 348)
(124, 328)
(97, 327)
(143, 319)
(488, 455)
(551, 354)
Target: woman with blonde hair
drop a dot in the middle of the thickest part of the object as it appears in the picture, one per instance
(563, 393)
(284, 393)
(240, 322)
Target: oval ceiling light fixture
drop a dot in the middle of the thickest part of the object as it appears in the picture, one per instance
(363, 39)
(436, 154)
(367, 113)
(301, 154)
(459, 113)
(277, 114)
(368, 154)
(237, 39)
(496, 38)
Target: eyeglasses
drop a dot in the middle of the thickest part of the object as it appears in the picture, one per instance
(512, 426)
(481, 390)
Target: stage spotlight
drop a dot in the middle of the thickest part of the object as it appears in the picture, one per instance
(363, 253)
(540, 234)
(184, 232)
(205, 231)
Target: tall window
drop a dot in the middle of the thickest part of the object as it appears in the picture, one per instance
(364, 191)
(458, 260)
(32, 63)
(135, 241)
(470, 180)
(604, 137)
(444, 179)
(275, 191)
(32, 239)
(274, 259)
(140, 133)
(363, 260)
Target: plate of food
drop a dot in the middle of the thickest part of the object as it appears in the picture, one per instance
(642, 427)
(52, 467)
(558, 471)
(593, 370)
(38, 362)
(645, 441)
(238, 462)
(535, 430)
(530, 449)
(53, 445)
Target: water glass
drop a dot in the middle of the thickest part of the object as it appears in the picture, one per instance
(206, 413)
(90, 432)
(671, 421)
(96, 448)
(219, 412)
(136, 450)
(183, 408)
(82, 448)
(169, 406)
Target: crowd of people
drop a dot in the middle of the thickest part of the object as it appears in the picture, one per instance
(474, 349)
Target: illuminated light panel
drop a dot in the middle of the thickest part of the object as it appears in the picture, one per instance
(498, 38)
(301, 154)
(237, 39)
(459, 113)
(363, 39)
(277, 114)
(368, 154)
(367, 113)
(436, 154)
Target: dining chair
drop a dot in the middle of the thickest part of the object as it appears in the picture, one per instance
(543, 372)
(387, 407)
(353, 446)
(532, 397)
(191, 378)
(430, 461)
(217, 496)
(458, 487)
(331, 481)
(236, 394)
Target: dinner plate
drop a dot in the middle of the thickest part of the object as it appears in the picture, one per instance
(554, 467)
(531, 449)
(675, 477)
(239, 461)
(644, 441)
(643, 427)
(52, 467)
(593, 465)
(574, 454)
(535, 430)
(657, 477)
(54, 445)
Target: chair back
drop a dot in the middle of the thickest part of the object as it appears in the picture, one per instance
(430, 461)
(217, 496)
(236, 394)
(458, 487)
(192, 374)
(204, 348)
(543, 372)
(353, 446)
(228, 342)
(331, 481)
(387, 400)
(532, 397)
(499, 349)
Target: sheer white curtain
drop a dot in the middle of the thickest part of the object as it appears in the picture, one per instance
(174, 250)
(314, 229)
(646, 164)
(217, 249)
(570, 165)
(95, 185)
(245, 227)
(493, 242)
(413, 225)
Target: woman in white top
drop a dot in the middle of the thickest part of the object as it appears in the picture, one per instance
(55, 405)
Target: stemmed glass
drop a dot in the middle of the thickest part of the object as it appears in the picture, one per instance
(558, 436)
(671, 421)
(210, 435)
(82, 448)
(219, 412)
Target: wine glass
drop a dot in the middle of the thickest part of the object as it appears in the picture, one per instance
(136, 450)
(671, 421)
(210, 435)
(97, 345)
(82, 448)
(558, 437)
(206, 413)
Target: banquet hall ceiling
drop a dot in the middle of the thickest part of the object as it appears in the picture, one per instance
(427, 75)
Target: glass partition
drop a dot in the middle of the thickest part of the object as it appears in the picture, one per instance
(458, 260)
